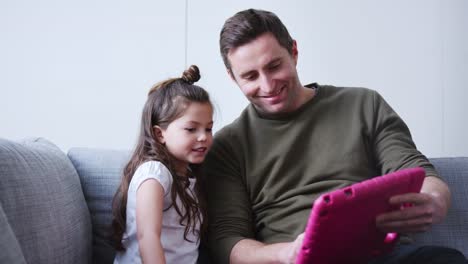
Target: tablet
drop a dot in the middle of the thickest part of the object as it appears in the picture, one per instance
(341, 227)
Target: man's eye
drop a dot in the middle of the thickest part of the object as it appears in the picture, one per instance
(190, 129)
(250, 77)
(274, 66)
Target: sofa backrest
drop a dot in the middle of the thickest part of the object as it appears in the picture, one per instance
(100, 171)
(453, 232)
(43, 215)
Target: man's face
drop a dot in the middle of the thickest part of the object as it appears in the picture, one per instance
(266, 74)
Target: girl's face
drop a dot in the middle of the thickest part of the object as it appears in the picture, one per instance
(189, 137)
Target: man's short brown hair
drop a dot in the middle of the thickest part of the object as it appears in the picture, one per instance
(249, 24)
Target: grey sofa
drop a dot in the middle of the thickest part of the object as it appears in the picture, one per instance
(56, 208)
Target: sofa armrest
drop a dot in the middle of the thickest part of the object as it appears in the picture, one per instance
(453, 232)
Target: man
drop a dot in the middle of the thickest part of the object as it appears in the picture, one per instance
(294, 142)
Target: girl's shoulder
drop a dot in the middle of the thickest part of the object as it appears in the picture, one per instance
(152, 170)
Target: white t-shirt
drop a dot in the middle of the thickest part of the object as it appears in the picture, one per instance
(176, 248)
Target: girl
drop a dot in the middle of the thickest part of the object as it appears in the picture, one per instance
(159, 209)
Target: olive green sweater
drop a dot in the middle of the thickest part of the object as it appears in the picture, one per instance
(264, 173)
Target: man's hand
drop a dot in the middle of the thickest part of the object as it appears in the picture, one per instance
(288, 254)
(426, 208)
(251, 251)
(416, 218)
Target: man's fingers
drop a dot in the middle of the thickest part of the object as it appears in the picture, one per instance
(411, 198)
(410, 220)
(407, 214)
(298, 242)
(297, 246)
(407, 226)
(300, 237)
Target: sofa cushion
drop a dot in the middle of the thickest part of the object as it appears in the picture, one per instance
(100, 172)
(41, 197)
(453, 232)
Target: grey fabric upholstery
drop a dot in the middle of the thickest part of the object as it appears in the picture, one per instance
(10, 249)
(100, 172)
(41, 197)
(44, 217)
(453, 232)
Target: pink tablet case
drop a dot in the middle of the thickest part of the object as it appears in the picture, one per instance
(341, 227)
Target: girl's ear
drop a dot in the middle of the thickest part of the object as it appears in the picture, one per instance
(158, 133)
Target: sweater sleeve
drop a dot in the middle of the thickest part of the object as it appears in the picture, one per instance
(393, 146)
(229, 207)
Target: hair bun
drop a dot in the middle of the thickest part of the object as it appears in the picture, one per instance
(191, 75)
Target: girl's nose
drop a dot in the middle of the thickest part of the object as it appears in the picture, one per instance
(202, 136)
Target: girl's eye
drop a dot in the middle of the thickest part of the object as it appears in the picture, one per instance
(209, 129)
(190, 129)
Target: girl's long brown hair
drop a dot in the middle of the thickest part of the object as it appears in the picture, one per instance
(166, 102)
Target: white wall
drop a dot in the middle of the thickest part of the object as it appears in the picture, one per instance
(78, 73)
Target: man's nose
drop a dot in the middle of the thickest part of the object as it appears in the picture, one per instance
(267, 84)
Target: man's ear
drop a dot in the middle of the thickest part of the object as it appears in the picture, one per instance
(158, 134)
(295, 52)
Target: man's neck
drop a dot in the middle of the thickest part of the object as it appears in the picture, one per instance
(306, 94)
